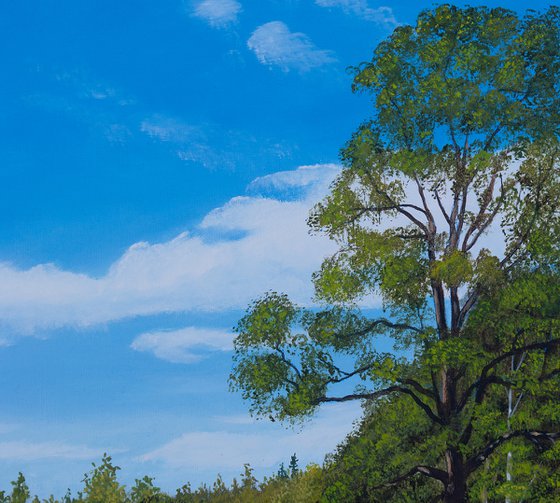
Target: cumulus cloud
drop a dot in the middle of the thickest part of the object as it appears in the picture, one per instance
(272, 249)
(222, 451)
(180, 346)
(316, 176)
(382, 15)
(275, 45)
(218, 13)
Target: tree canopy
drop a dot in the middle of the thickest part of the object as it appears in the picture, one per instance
(446, 214)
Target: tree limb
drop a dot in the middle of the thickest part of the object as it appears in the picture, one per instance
(467, 306)
(418, 387)
(381, 393)
(288, 362)
(428, 471)
(441, 207)
(484, 380)
(479, 223)
(541, 439)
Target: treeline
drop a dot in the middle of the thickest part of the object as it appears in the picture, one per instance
(101, 485)
(387, 440)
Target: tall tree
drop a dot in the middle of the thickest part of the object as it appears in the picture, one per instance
(446, 210)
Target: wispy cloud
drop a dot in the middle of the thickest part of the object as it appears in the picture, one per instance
(239, 419)
(189, 142)
(85, 85)
(93, 102)
(272, 250)
(226, 450)
(167, 129)
(30, 451)
(382, 15)
(183, 346)
(210, 145)
(218, 13)
(275, 45)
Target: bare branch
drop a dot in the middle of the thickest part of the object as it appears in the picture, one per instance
(349, 375)
(288, 362)
(398, 207)
(414, 220)
(550, 375)
(359, 212)
(419, 388)
(485, 380)
(441, 207)
(375, 323)
(425, 204)
(482, 229)
(480, 223)
(541, 439)
(381, 393)
(395, 207)
(491, 137)
(529, 347)
(517, 402)
(428, 471)
(530, 227)
(390, 324)
(467, 306)
(481, 385)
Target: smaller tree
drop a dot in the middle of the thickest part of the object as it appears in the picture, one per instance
(20, 490)
(144, 491)
(294, 469)
(101, 484)
(282, 472)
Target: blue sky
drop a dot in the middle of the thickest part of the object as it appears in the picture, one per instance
(158, 163)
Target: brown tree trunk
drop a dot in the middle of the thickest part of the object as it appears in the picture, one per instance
(456, 487)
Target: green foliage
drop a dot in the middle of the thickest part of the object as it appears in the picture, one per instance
(302, 486)
(282, 472)
(144, 491)
(463, 139)
(20, 490)
(470, 70)
(101, 484)
(294, 469)
(453, 270)
(393, 436)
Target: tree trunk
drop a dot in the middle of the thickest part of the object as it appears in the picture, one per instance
(456, 488)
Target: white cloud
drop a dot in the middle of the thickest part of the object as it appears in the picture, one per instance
(167, 129)
(303, 177)
(273, 250)
(382, 15)
(180, 346)
(190, 141)
(117, 133)
(221, 451)
(210, 145)
(269, 249)
(218, 13)
(29, 451)
(275, 45)
(239, 419)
